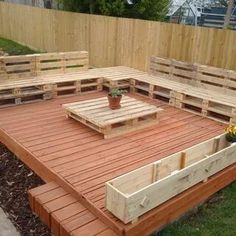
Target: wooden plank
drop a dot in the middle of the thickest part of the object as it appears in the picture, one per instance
(54, 211)
(50, 175)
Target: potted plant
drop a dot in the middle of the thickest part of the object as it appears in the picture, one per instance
(231, 133)
(114, 98)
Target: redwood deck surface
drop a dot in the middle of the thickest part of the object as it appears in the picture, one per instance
(79, 159)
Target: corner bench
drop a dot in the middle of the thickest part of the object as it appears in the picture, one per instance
(208, 91)
(204, 90)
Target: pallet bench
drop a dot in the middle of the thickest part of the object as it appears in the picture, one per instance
(36, 77)
(131, 195)
(207, 91)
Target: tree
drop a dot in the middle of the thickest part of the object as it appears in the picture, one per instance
(228, 13)
(112, 7)
(48, 4)
(149, 9)
(84, 6)
(142, 9)
(219, 3)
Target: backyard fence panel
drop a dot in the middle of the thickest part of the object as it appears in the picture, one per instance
(116, 41)
(102, 43)
(124, 42)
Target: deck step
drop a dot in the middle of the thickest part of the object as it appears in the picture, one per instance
(63, 214)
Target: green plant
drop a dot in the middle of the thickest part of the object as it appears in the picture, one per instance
(140, 9)
(115, 92)
(231, 132)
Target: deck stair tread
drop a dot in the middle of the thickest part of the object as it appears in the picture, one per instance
(63, 214)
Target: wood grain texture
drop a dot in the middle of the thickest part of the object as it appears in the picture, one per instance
(117, 41)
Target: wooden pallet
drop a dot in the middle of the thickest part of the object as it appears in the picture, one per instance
(17, 66)
(206, 107)
(42, 64)
(53, 87)
(21, 82)
(154, 91)
(96, 114)
(202, 76)
(160, 66)
(12, 97)
(183, 72)
(62, 62)
(78, 86)
(203, 90)
(135, 193)
(63, 214)
(119, 83)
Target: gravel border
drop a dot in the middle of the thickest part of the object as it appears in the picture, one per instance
(15, 180)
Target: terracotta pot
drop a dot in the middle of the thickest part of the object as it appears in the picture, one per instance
(114, 102)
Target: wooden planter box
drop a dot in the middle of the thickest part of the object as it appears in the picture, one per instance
(133, 194)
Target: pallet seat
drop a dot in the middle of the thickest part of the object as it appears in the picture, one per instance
(208, 91)
(36, 77)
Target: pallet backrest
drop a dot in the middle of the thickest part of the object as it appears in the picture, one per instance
(64, 62)
(27, 66)
(216, 79)
(17, 66)
(172, 69)
(183, 72)
(212, 78)
(160, 66)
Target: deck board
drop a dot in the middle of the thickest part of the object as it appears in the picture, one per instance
(81, 157)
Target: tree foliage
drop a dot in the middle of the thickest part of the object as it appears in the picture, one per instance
(112, 8)
(142, 9)
(220, 3)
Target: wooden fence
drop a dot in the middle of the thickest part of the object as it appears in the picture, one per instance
(116, 41)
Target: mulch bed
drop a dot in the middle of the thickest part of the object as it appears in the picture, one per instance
(15, 180)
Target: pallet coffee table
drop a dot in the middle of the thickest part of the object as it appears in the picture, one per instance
(96, 114)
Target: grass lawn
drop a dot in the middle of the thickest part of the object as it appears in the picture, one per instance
(13, 48)
(217, 217)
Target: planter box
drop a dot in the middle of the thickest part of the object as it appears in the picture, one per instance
(133, 194)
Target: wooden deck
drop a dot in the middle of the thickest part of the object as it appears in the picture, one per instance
(79, 160)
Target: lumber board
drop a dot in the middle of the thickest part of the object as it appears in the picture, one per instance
(64, 215)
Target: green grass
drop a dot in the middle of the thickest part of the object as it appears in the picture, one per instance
(217, 217)
(13, 48)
